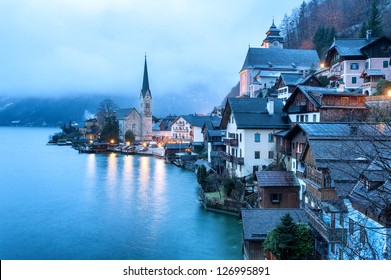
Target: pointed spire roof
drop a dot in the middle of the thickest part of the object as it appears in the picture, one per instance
(145, 89)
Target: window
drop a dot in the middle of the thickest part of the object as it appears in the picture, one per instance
(271, 154)
(240, 137)
(257, 137)
(354, 80)
(351, 226)
(257, 155)
(275, 197)
(366, 65)
(314, 118)
(306, 118)
(297, 118)
(385, 63)
(301, 118)
(344, 101)
(353, 66)
(363, 235)
(270, 137)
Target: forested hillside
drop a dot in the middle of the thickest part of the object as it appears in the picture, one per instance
(339, 18)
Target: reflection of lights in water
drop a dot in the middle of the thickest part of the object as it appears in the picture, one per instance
(91, 170)
(159, 179)
(144, 180)
(127, 176)
(111, 182)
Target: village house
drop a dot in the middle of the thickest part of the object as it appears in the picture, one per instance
(359, 62)
(250, 124)
(161, 130)
(287, 82)
(278, 189)
(213, 143)
(257, 223)
(262, 66)
(331, 164)
(188, 128)
(318, 104)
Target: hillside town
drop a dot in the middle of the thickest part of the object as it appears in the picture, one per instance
(306, 136)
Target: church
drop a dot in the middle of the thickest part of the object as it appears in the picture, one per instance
(262, 66)
(139, 122)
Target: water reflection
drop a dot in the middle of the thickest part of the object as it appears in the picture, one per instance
(143, 182)
(112, 175)
(127, 176)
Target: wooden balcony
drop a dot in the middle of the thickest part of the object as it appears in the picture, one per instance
(337, 235)
(225, 156)
(238, 160)
(334, 74)
(230, 142)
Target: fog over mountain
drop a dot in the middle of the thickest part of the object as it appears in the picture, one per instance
(53, 111)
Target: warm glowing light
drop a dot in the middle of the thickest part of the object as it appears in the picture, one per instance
(144, 144)
(389, 92)
(322, 65)
(112, 141)
(127, 143)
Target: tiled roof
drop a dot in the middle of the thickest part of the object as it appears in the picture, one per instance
(275, 58)
(257, 223)
(252, 113)
(199, 121)
(349, 47)
(292, 79)
(122, 113)
(277, 179)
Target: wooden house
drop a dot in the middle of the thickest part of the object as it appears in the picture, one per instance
(278, 189)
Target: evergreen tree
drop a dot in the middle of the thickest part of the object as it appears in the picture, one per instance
(110, 130)
(323, 39)
(374, 21)
(290, 241)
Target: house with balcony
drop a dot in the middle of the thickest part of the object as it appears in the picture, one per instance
(188, 128)
(318, 104)
(359, 63)
(287, 83)
(331, 160)
(250, 124)
(213, 143)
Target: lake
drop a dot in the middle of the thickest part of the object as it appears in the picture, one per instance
(59, 204)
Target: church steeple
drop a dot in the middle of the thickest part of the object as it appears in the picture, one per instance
(145, 89)
(273, 38)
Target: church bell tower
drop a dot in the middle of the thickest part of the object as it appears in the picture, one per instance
(146, 106)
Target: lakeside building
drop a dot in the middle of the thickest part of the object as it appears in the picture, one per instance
(343, 170)
(250, 124)
(139, 122)
(262, 66)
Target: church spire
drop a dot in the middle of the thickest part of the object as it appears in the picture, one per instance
(145, 89)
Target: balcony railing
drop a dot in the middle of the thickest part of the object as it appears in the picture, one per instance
(225, 156)
(337, 235)
(238, 160)
(334, 74)
(230, 142)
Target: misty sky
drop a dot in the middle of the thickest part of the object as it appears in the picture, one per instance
(194, 48)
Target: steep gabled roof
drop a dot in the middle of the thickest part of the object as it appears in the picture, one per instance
(122, 113)
(252, 113)
(280, 59)
(314, 95)
(258, 222)
(267, 179)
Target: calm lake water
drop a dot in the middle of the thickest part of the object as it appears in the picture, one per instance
(59, 204)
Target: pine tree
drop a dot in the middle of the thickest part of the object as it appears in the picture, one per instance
(374, 21)
(290, 241)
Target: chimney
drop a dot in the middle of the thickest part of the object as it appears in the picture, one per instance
(369, 35)
(270, 106)
(341, 87)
